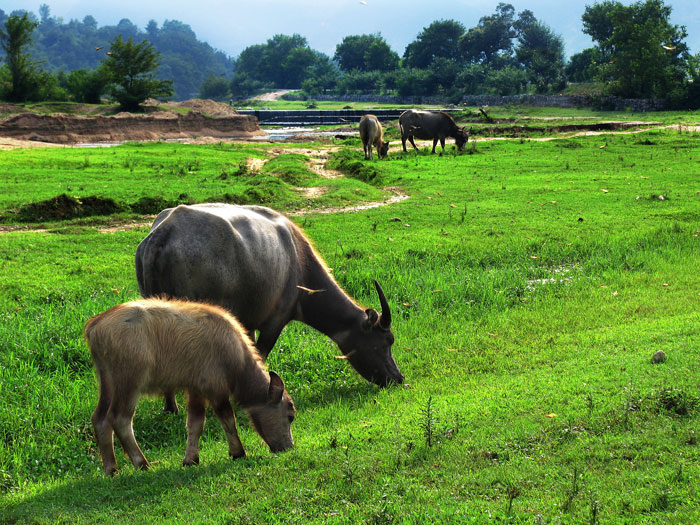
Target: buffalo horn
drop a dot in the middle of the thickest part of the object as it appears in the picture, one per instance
(385, 318)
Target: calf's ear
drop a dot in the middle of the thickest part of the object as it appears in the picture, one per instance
(274, 393)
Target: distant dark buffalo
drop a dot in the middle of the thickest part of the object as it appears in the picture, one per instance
(435, 125)
(261, 267)
(372, 135)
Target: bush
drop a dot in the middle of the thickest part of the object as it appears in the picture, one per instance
(215, 87)
(360, 82)
(83, 85)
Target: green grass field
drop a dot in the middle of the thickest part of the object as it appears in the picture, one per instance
(530, 282)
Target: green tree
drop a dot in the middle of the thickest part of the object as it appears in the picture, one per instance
(14, 40)
(365, 53)
(439, 39)
(598, 24)
(648, 53)
(284, 62)
(84, 85)
(584, 66)
(130, 68)
(541, 53)
(215, 87)
(491, 41)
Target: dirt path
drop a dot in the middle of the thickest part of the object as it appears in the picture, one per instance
(274, 95)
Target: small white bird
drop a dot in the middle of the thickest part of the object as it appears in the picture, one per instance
(363, 2)
(668, 48)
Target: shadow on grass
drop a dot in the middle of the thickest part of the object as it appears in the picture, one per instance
(96, 495)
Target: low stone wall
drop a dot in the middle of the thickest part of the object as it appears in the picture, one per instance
(316, 117)
(556, 101)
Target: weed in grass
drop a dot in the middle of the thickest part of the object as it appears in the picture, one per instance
(572, 492)
(593, 509)
(427, 422)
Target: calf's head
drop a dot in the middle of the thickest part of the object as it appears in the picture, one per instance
(383, 150)
(368, 346)
(273, 420)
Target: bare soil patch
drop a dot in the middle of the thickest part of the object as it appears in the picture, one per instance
(205, 118)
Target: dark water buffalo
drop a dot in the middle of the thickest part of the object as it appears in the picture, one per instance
(435, 125)
(260, 266)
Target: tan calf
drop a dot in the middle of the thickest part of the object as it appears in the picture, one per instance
(372, 135)
(154, 346)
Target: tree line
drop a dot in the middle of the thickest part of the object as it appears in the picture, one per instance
(637, 53)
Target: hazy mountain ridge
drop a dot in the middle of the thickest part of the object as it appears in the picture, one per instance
(66, 46)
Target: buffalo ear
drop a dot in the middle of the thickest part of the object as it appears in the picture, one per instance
(274, 393)
(372, 318)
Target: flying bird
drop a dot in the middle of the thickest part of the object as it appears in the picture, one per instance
(109, 53)
(668, 48)
(98, 48)
(363, 2)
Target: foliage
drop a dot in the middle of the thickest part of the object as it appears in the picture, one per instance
(541, 53)
(283, 61)
(365, 53)
(647, 55)
(439, 39)
(243, 85)
(130, 69)
(67, 46)
(491, 39)
(358, 82)
(412, 82)
(598, 24)
(83, 85)
(14, 41)
(583, 66)
(215, 87)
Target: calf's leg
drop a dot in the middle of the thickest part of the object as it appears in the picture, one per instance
(196, 414)
(227, 418)
(104, 432)
(121, 415)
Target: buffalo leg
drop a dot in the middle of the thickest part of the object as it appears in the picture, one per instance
(224, 413)
(442, 143)
(196, 415)
(170, 403)
(121, 415)
(104, 433)
(435, 141)
(403, 142)
(413, 143)
(267, 338)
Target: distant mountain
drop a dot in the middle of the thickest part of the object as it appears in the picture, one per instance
(82, 45)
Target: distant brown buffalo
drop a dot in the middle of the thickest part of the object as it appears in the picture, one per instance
(435, 125)
(372, 135)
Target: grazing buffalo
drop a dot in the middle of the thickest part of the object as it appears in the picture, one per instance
(155, 346)
(435, 125)
(372, 135)
(261, 267)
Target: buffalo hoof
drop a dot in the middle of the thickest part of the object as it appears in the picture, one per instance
(190, 462)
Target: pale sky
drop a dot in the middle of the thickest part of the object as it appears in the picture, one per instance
(231, 26)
